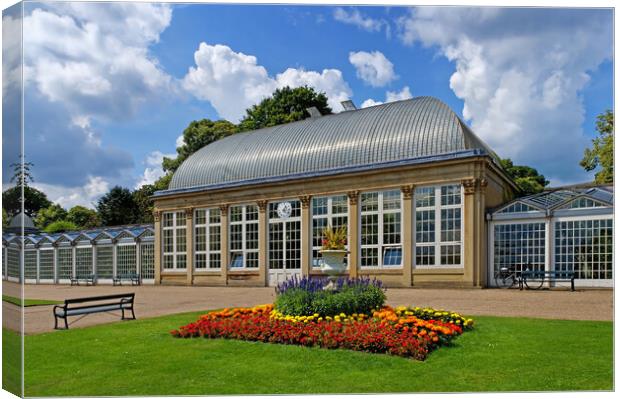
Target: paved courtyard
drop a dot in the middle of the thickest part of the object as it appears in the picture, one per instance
(154, 301)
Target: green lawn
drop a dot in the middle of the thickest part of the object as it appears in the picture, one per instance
(29, 302)
(141, 358)
(11, 363)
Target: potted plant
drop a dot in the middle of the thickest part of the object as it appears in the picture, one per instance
(333, 251)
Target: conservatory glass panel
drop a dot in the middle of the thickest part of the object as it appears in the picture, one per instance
(83, 261)
(126, 259)
(327, 211)
(104, 254)
(64, 263)
(30, 264)
(147, 260)
(519, 246)
(46, 264)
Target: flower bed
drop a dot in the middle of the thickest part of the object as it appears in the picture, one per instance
(387, 330)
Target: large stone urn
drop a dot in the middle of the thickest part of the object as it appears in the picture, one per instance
(333, 264)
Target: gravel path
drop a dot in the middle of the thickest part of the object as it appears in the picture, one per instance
(154, 301)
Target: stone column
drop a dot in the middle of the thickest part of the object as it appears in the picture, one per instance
(353, 236)
(157, 246)
(480, 240)
(306, 235)
(469, 236)
(189, 244)
(224, 242)
(262, 241)
(407, 237)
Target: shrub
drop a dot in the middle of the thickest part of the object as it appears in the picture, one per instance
(304, 297)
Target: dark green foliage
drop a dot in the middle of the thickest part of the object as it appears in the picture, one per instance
(284, 106)
(197, 135)
(602, 152)
(83, 217)
(527, 178)
(348, 300)
(60, 226)
(49, 215)
(118, 207)
(6, 219)
(35, 200)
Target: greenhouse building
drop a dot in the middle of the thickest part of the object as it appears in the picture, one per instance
(425, 203)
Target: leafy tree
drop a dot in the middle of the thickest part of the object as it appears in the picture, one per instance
(141, 197)
(197, 135)
(49, 215)
(83, 217)
(60, 226)
(285, 105)
(117, 207)
(602, 153)
(35, 200)
(6, 219)
(21, 173)
(526, 178)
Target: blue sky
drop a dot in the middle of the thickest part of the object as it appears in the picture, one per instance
(110, 87)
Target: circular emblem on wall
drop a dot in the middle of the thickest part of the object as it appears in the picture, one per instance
(284, 210)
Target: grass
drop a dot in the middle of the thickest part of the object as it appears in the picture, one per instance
(141, 358)
(11, 364)
(28, 302)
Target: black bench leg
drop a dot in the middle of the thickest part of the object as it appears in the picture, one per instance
(55, 322)
(572, 284)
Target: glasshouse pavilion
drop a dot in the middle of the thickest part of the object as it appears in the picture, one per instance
(425, 203)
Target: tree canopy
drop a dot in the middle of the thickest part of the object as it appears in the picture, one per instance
(601, 155)
(117, 207)
(83, 217)
(60, 226)
(49, 215)
(284, 106)
(526, 178)
(34, 200)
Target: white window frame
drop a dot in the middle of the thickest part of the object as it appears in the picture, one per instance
(244, 251)
(75, 257)
(207, 252)
(116, 254)
(437, 243)
(330, 222)
(175, 253)
(380, 246)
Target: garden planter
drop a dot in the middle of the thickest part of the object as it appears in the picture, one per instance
(333, 264)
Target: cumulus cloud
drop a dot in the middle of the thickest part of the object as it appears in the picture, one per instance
(68, 197)
(356, 18)
(94, 58)
(520, 73)
(373, 68)
(153, 170)
(390, 96)
(86, 64)
(233, 81)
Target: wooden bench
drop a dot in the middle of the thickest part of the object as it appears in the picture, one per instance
(551, 276)
(94, 304)
(86, 278)
(134, 278)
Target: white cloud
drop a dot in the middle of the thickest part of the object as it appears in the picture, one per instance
(404, 94)
(520, 73)
(390, 96)
(11, 55)
(233, 81)
(153, 170)
(68, 197)
(354, 17)
(180, 141)
(373, 68)
(94, 58)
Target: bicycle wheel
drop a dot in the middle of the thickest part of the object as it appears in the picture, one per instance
(504, 279)
(534, 281)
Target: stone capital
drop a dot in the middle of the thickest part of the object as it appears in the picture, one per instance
(407, 191)
(305, 201)
(469, 186)
(353, 197)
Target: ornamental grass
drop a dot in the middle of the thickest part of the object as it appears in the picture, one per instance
(391, 331)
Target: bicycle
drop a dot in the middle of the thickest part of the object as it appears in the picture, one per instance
(507, 278)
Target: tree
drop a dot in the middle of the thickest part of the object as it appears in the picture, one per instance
(117, 207)
(602, 153)
(284, 106)
(49, 215)
(83, 217)
(60, 226)
(21, 173)
(197, 135)
(142, 198)
(526, 178)
(6, 219)
(35, 200)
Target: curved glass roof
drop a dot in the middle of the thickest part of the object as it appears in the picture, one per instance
(421, 129)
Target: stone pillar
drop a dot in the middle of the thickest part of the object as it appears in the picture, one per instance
(262, 241)
(306, 235)
(469, 236)
(480, 275)
(189, 244)
(157, 246)
(354, 236)
(224, 242)
(407, 237)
